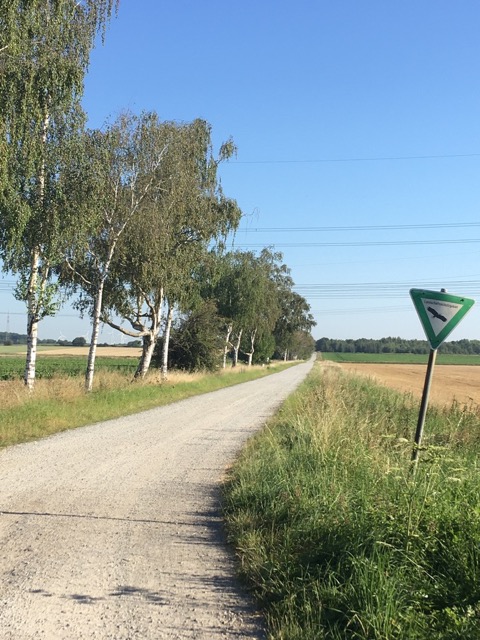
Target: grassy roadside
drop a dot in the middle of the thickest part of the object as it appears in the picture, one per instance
(335, 536)
(61, 403)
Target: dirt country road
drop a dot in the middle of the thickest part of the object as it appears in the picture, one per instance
(113, 531)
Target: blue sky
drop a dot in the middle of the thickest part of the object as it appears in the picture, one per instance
(347, 116)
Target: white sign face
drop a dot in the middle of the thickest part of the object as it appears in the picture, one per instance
(440, 312)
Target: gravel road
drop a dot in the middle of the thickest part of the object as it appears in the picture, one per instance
(113, 531)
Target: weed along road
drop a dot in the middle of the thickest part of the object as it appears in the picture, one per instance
(113, 531)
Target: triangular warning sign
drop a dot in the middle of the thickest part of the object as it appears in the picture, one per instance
(439, 313)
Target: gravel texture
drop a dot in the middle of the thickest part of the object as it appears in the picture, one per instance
(113, 531)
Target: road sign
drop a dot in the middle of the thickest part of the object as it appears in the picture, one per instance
(439, 313)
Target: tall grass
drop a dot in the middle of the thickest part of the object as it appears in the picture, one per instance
(335, 535)
(61, 403)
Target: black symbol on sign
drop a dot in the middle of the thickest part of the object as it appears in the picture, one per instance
(435, 314)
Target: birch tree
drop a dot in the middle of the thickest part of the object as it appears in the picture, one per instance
(45, 47)
(254, 296)
(223, 285)
(187, 211)
(262, 301)
(233, 289)
(119, 170)
(295, 318)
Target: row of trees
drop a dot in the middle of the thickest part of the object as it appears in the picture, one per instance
(129, 221)
(395, 345)
(249, 304)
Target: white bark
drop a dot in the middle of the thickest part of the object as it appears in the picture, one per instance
(32, 323)
(253, 335)
(33, 295)
(166, 342)
(228, 345)
(148, 348)
(94, 339)
(236, 348)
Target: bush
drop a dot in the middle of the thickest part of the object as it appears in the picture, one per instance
(196, 344)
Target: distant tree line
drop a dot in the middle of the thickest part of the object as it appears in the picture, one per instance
(10, 337)
(395, 345)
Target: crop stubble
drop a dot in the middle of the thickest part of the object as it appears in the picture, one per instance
(449, 382)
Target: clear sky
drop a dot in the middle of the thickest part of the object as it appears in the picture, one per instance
(358, 134)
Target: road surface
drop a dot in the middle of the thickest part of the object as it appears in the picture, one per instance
(113, 531)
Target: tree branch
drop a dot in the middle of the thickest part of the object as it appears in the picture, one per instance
(126, 332)
(77, 273)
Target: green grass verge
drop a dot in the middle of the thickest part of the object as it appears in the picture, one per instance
(400, 358)
(335, 536)
(36, 418)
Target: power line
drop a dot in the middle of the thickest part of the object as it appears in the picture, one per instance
(360, 159)
(439, 282)
(374, 243)
(383, 290)
(389, 227)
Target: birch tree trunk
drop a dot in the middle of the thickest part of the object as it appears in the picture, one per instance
(33, 295)
(236, 348)
(166, 343)
(32, 324)
(148, 334)
(227, 345)
(148, 347)
(97, 311)
(252, 347)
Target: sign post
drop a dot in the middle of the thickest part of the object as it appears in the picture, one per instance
(439, 313)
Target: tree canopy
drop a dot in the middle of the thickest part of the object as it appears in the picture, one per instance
(131, 218)
(45, 48)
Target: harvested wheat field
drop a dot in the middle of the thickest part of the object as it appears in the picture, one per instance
(449, 382)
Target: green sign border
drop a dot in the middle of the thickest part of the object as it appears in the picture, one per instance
(436, 340)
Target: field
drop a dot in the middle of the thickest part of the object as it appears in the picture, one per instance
(67, 361)
(48, 350)
(455, 377)
(401, 358)
(452, 382)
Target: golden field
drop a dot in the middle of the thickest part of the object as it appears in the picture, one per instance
(449, 382)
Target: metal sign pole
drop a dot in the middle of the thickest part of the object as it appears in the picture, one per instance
(423, 406)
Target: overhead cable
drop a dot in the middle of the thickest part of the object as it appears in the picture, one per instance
(359, 159)
(373, 243)
(379, 227)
